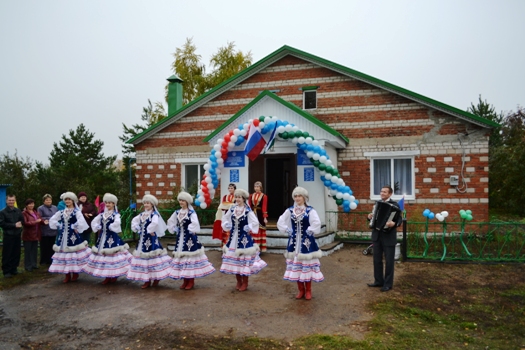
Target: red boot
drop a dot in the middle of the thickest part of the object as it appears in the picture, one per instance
(308, 294)
(184, 284)
(155, 283)
(244, 285)
(113, 280)
(106, 281)
(300, 286)
(145, 285)
(67, 278)
(74, 277)
(239, 282)
(191, 282)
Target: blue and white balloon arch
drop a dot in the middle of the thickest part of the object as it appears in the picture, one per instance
(330, 176)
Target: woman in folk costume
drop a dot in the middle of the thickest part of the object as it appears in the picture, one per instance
(258, 201)
(189, 260)
(241, 255)
(227, 202)
(109, 257)
(301, 222)
(150, 261)
(71, 252)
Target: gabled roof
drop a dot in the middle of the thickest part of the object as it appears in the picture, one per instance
(287, 50)
(288, 105)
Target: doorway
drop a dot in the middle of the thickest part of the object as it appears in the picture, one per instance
(278, 174)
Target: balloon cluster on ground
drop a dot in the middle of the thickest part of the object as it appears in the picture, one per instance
(466, 214)
(430, 215)
(330, 176)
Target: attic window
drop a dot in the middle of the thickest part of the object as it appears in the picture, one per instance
(309, 97)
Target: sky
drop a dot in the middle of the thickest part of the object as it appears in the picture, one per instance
(97, 62)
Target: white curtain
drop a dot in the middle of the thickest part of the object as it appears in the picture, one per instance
(382, 174)
(403, 176)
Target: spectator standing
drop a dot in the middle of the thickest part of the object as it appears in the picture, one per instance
(11, 221)
(31, 234)
(89, 210)
(46, 211)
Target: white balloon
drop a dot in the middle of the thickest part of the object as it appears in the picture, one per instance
(316, 156)
(233, 138)
(217, 147)
(440, 217)
(231, 145)
(323, 159)
(288, 127)
(328, 176)
(280, 129)
(353, 205)
(207, 166)
(207, 173)
(328, 162)
(262, 125)
(340, 181)
(246, 125)
(218, 155)
(295, 128)
(346, 196)
(243, 132)
(309, 154)
(334, 179)
(333, 192)
(208, 179)
(220, 141)
(444, 213)
(210, 186)
(322, 172)
(339, 195)
(203, 205)
(294, 140)
(308, 140)
(315, 143)
(236, 132)
(300, 140)
(352, 198)
(220, 161)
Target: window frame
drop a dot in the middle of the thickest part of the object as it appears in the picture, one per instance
(308, 89)
(188, 162)
(392, 156)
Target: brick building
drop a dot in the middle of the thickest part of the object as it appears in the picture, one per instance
(375, 132)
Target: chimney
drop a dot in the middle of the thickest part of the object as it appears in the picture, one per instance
(174, 94)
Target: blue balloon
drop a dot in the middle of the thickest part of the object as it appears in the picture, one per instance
(302, 146)
(285, 122)
(346, 203)
(356, 201)
(310, 147)
(197, 203)
(327, 183)
(214, 164)
(213, 158)
(426, 212)
(350, 192)
(323, 179)
(340, 189)
(241, 126)
(346, 209)
(347, 190)
(333, 186)
(431, 215)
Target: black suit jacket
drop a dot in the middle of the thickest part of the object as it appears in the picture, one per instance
(388, 238)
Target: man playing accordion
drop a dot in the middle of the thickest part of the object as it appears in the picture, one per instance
(385, 218)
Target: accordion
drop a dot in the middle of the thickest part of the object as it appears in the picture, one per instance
(382, 213)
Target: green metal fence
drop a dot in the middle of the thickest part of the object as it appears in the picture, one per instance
(443, 241)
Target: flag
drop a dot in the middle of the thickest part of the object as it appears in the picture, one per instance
(97, 202)
(254, 143)
(401, 203)
(270, 141)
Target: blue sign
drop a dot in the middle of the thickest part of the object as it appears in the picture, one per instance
(234, 175)
(309, 174)
(302, 158)
(235, 159)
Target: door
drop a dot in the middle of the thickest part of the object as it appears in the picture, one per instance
(278, 174)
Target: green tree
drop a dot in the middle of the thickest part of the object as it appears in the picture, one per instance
(78, 164)
(21, 174)
(507, 165)
(487, 111)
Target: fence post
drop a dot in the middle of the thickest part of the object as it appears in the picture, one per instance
(404, 246)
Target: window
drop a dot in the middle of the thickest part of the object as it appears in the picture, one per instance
(192, 176)
(309, 97)
(395, 169)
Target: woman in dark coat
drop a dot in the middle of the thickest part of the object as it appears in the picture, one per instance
(89, 210)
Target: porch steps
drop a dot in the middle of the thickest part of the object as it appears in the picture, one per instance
(276, 242)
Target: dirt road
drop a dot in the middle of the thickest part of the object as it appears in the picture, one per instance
(86, 314)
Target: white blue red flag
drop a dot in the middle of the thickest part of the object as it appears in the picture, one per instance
(254, 143)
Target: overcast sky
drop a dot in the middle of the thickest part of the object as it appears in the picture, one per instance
(63, 63)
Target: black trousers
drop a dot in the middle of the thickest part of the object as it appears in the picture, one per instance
(384, 274)
(46, 249)
(30, 254)
(11, 253)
